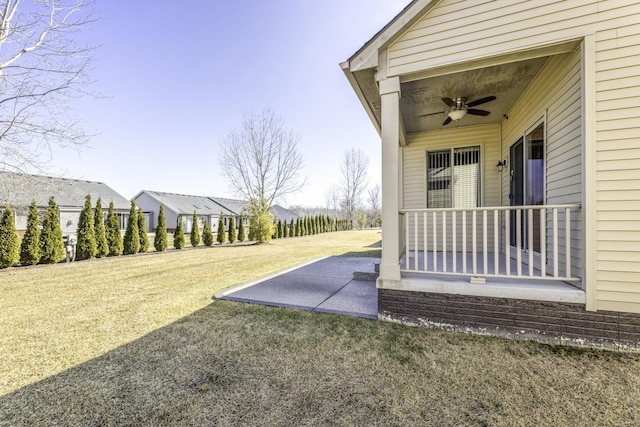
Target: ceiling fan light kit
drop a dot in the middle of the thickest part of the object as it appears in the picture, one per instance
(457, 114)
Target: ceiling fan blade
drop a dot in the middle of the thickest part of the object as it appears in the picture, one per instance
(475, 112)
(431, 114)
(481, 101)
(450, 102)
(446, 122)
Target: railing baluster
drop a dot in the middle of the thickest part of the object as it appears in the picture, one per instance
(464, 241)
(435, 243)
(424, 241)
(407, 231)
(454, 233)
(567, 241)
(507, 240)
(543, 242)
(555, 242)
(444, 241)
(496, 242)
(484, 242)
(530, 238)
(474, 234)
(519, 240)
(415, 240)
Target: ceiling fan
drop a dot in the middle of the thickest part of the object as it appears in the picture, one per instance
(458, 108)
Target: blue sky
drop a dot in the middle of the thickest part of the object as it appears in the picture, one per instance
(177, 77)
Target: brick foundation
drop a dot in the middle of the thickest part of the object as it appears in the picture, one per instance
(551, 322)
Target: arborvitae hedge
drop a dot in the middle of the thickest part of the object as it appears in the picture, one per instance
(178, 235)
(86, 246)
(30, 246)
(160, 241)
(52, 249)
(232, 229)
(131, 242)
(292, 229)
(195, 231)
(102, 245)
(207, 234)
(114, 236)
(242, 236)
(9, 241)
(221, 237)
(142, 232)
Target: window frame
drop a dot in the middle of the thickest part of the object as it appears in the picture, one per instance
(451, 150)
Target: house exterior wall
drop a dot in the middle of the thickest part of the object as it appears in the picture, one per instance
(555, 97)
(414, 170)
(454, 34)
(152, 205)
(617, 174)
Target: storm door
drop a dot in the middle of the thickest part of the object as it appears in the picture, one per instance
(527, 185)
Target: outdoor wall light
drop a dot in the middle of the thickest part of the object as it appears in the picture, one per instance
(501, 165)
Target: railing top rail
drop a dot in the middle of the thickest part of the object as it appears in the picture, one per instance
(492, 208)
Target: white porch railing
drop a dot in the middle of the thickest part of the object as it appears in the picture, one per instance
(532, 242)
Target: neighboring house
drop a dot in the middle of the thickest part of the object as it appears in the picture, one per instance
(18, 190)
(180, 206)
(207, 209)
(511, 160)
(284, 215)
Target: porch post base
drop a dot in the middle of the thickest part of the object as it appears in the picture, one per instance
(390, 272)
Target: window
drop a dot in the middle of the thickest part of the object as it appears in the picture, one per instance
(453, 178)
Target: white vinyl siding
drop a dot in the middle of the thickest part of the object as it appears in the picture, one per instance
(618, 168)
(457, 31)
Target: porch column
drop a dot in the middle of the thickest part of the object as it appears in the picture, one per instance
(390, 98)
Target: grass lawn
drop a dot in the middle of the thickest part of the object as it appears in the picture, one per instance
(138, 341)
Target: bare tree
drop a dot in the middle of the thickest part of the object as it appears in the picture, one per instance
(262, 163)
(354, 180)
(332, 197)
(374, 203)
(41, 69)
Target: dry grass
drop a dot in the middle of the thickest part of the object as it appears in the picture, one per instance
(137, 341)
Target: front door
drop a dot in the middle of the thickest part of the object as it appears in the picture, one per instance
(527, 185)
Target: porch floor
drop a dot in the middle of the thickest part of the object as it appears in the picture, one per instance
(518, 287)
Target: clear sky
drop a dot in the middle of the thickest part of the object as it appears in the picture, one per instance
(178, 76)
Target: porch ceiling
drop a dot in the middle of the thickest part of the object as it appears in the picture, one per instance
(506, 82)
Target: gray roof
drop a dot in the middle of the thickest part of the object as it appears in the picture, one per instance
(238, 207)
(185, 204)
(283, 214)
(19, 189)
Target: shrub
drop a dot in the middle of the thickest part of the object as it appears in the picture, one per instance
(142, 232)
(221, 234)
(178, 235)
(292, 229)
(262, 227)
(86, 246)
(30, 246)
(207, 234)
(279, 228)
(102, 245)
(114, 236)
(232, 229)
(9, 241)
(52, 249)
(160, 241)
(241, 232)
(195, 232)
(131, 242)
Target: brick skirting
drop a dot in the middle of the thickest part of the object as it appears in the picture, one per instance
(551, 322)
